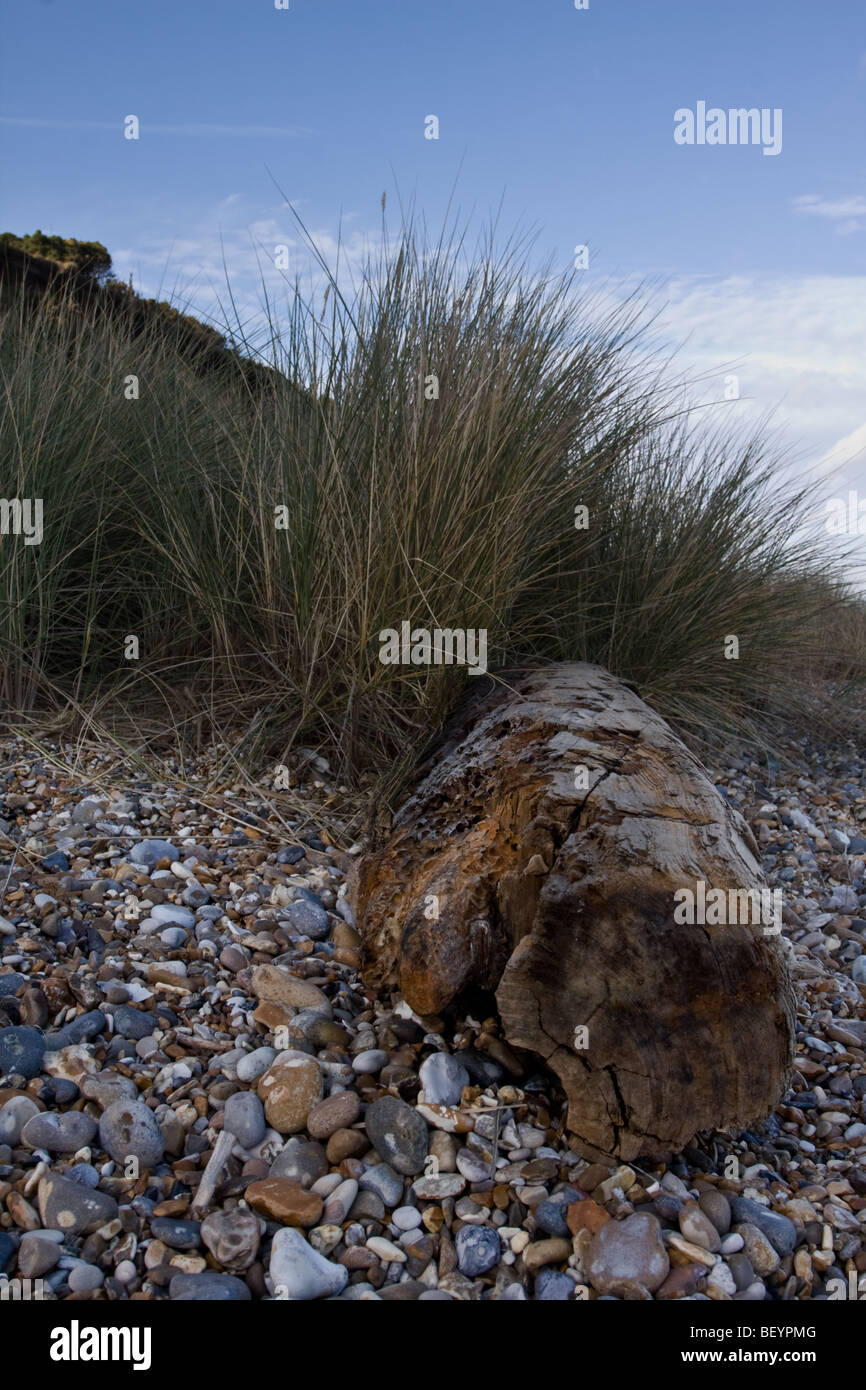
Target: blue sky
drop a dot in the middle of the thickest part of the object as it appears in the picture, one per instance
(754, 259)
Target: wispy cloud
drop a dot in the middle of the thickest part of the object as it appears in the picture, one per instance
(225, 261)
(794, 341)
(795, 344)
(845, 453)
(152, 127)
(849, 213)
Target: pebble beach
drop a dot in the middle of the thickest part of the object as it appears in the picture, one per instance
(199, 1100)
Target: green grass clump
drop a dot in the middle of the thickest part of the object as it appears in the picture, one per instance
(448, 506)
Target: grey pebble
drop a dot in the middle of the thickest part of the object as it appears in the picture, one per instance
(84, 1278)
(59, 1134)
(173, 915)
(83, 1173)
(245, 1117)
(14, 1116)
(779, 1230)
(309, 918)
(443, 1079)
(21, 1051)
(208, 1288)
(37, 1255)
(72, 1208)
(478, 1249)
(173, 937)
(371, 1062)
(133, 1023)
(299, 1271)
(398, 1134)
(149, 852)
(255, 1064)
(128, 1128)
(382, 1180)
(180, 1235)
(303, 1160)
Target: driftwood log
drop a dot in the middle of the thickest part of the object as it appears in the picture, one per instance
(539, 857)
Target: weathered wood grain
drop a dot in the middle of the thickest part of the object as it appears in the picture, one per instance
(502, 871)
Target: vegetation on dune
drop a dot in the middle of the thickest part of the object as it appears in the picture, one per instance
(88, 256)
(414, 450)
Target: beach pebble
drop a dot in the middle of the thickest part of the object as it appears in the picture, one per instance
(72, 1208)
(244, 1116)
(59, 1134)
(309, 918)
(299, 1272)
(14, 1116)
(478, 1249)
(398, 1134)
(208, 1287)
(384, 1182)
(129, 1129)
(442, 1078)
(627, 1254)
(779, 1230)
(84, 1278)
(289, 1089)
(302, 1160)
(37, 1255)
(254, 1064)
(149, 852)
(371, 1061)
(339, 1111)
(21, 1051)
(133, 1023)
(232, 1237)
(761, 1253)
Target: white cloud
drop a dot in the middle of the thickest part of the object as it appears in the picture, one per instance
(224, 264)
(794, 341)
(847, 212)
(846, 454)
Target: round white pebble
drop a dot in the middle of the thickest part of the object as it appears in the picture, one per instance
(406, 1218)
(732, 1243)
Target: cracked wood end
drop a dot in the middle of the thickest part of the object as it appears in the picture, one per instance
(539, 857)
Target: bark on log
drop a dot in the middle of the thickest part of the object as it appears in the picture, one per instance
(502, 872)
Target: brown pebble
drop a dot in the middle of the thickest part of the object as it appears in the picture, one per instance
(255, 1168)
(345, 937)
(447, 1254)
(10, 1092)
(432, 1217)
(358, 1257)
(338, 1112)
(352, 1168)
(26, 1218)
(681, 1281)
(554, 1251)
(592, 1177)
(345, 1143)
(289, 1090)
(585, 1216)
(272, 1016)
(284, 1200)
(174, 1206)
